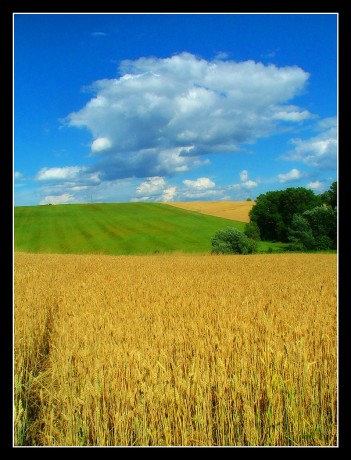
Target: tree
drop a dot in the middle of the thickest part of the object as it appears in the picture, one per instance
(232, 241)
(300, 233)
(314, 229)
(274, 211)
(296, 200)
(333, 191)
(323, 222)
(330, 197)
(252, 231)
(265, 213)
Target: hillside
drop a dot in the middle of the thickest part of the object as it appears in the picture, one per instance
(114, 228)
(234, 210)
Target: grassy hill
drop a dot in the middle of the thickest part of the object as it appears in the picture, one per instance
(114, 228)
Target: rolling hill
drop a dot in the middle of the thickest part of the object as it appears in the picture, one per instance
(114, 228)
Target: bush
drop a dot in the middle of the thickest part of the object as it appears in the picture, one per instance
(323, 242)
(232, 241)
(296, 246)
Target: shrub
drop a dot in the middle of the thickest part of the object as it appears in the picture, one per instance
(296, 246)
(232, 241)
(323, 242)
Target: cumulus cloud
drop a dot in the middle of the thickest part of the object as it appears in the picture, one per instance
(155, 189)
(168, 194)
(160, 115)
(152, 186)
(67, 184)
(158, 189)
(249, 184)
(201, 188)
(100, 144)
(67, 173)
(18, 175)
(293, 114)
(58, 199)
(144, 163)
(316, 185)
(319, 151)
(202, 183)
(245, 183)
(290, 176)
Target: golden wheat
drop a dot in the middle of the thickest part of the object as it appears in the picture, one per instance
(234, 210)
(175, 350)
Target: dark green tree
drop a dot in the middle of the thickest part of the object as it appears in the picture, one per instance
(274, 211)
(323, 223)
(265, 213)
(252, 231)
(300, 233)
(314, 229)
(296, 200)
(330, 197)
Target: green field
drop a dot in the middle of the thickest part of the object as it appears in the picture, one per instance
(114, 228)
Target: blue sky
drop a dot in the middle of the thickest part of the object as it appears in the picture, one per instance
(173, 107)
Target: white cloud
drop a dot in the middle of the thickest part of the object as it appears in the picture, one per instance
(326, 123)
(67, 172)
(245, 184)
(168, 194)
(319, 151)
(155, 189)
(316, 185)
(58, 199)
(292, 115)
(74, 174)
(100, 144)
(151, 186)
(249, 184)
(160, 115)
(290, 176)
(79, 188)
(18, 175)
(244, 175)
(67, 183)
(202, 183)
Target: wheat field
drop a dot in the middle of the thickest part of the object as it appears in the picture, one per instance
(234, 210)
(175, 350)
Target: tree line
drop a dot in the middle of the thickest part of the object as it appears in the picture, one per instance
(296, 216)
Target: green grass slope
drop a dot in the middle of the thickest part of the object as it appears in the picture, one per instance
(114, 228)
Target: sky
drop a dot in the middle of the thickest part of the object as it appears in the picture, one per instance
(172, 107)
